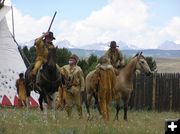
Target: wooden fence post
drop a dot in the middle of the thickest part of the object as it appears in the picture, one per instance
(154, 93)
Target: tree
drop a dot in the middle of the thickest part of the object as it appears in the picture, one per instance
(92, 59)
(83, 64)
(152, 63)
(32, 53)
(26, 52)
(63, 55)
(90, 68)
(29, 53)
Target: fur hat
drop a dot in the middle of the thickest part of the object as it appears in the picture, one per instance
(104, 59)
(74, 56)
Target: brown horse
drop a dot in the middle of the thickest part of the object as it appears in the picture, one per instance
(124, 81)
(49, 81)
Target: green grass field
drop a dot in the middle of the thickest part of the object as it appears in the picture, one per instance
(18, 121)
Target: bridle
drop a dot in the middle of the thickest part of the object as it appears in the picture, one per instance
(141, 65)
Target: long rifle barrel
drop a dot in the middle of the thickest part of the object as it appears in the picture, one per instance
(52, 21)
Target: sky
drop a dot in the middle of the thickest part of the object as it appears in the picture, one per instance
(143, 23)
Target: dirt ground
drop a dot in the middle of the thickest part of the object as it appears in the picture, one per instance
(168, 65)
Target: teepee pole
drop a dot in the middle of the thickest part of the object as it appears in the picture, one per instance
(25, 59)
(13, 22)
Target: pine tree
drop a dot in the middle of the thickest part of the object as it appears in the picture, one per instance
(152, 63)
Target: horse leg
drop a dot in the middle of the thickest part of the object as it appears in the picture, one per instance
(125, 109)
(117, 110)
(45, 106)
(41, 101)
(28, 93)
(85, 98)
(97, 103)
(88, 103)
(54, 96)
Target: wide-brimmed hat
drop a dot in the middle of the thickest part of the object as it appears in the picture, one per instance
(113, 44)
(51, 35)
(75, 57)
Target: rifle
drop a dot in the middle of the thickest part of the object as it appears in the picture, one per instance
(50, 25)
(52, 21)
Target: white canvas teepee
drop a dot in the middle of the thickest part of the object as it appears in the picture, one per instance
(11, 64)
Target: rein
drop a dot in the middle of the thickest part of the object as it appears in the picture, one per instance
(51, 82)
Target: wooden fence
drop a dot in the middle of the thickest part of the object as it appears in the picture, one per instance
(159, 92)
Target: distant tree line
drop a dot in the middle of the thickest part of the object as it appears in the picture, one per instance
(87, 64)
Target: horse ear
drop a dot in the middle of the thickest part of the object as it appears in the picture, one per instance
(141, 53)
(137, 54)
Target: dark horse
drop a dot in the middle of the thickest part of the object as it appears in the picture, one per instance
(48, 82)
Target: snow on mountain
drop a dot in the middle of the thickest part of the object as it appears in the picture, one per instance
(169, 45)
(64, 44)
(125, 46)
(105, 46)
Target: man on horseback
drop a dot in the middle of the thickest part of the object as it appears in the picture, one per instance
(74, 83)
(42, 45)
(115, 56)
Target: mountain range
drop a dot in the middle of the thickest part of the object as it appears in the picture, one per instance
(166, 49)
(169, 45)
(96, 46)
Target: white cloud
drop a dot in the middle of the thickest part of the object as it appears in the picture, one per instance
(119, 20)
(26, 27)
(171, 31)
(125, 20)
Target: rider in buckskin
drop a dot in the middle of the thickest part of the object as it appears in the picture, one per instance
(42, 45)
(115, 56)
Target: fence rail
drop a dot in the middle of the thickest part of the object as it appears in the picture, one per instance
(159, 92)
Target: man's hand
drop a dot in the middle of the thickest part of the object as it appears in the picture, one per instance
(45, 33)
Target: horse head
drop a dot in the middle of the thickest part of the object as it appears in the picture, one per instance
(142, 64)
(51, 60)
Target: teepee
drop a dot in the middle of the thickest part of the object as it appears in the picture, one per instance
(11, 64)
